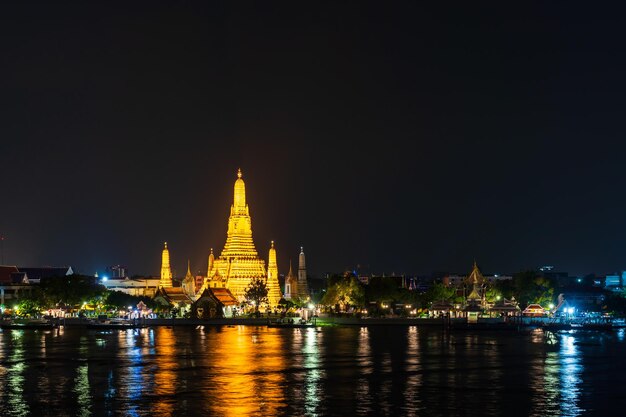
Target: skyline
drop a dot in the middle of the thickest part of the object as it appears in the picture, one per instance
(407, 138)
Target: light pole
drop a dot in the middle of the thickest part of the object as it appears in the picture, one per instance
(2, 249)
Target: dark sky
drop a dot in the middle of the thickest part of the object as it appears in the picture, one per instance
(403, 137)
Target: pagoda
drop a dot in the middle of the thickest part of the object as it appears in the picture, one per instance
(166, 271)
(239, 262)
(273, 287)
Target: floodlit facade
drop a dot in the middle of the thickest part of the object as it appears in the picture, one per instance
(166, 271)
(239, 263)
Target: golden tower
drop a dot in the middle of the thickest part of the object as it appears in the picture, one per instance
(211, 259)
(166, 271)
(239, 261)
(273, 287)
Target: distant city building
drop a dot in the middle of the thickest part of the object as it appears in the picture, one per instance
(35, 275)
(401, 281)
(15, 281)
(364, 279)
(615, 282)
(136, 286)
(116, 271)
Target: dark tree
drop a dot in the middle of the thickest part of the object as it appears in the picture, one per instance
(256, 292)
(120, 300)
(71, 290)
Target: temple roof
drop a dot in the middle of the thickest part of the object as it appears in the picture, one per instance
(474, 295)
(224, 296)
(173, 294)
(47, 272)
(5, 273)
(475, 277)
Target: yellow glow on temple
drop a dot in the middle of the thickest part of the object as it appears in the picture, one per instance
(166, 272)
(239, 261)
(273, 287)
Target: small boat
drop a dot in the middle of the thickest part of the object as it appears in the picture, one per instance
(114, 324)
(288, 323)
(596, 326)
(28, 324)
(556, 326)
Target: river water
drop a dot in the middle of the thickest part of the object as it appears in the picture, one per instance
(342, 371)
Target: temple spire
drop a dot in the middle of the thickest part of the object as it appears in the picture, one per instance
(239, 261)
(303, 287)
(166, 271)
(273, 287)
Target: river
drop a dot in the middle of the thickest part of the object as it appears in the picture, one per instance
(329, 371)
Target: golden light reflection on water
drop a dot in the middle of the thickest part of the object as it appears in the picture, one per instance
(364, 359)
(249, 370)
(249, 377)
(165, 374)
(414, 373)
(81, 388)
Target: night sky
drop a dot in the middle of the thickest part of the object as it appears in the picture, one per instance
(399, 137)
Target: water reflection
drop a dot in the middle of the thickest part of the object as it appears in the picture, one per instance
(165, 375)
(81, 388)
(247, 370)
(557, 381)
(15, 381)
(414, 374)
(571, 369)
(248, 378)
(364, 360)
(314, 372)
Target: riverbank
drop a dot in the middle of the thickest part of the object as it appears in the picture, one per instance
(263, 321)
(448, 323)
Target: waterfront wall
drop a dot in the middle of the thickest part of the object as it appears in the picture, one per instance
(322, 321)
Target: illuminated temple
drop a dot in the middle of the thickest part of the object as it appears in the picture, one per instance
(239, 261)
(166, 271)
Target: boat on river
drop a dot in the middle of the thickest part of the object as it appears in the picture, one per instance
(291, 323)
(554, 326)
(28, 324)
(593, 326)
(121, 324)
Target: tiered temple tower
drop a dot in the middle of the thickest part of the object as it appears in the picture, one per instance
(273, 293)
(476, 280)
(303, 287)
(166, 271)
(291, 284)
(239, 261)
(189, 284)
